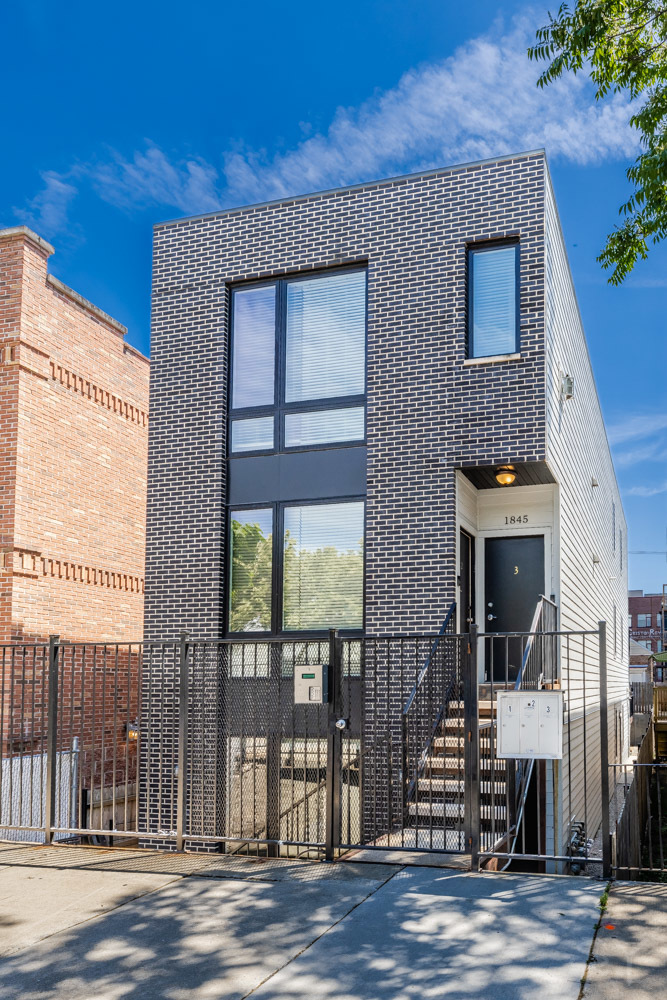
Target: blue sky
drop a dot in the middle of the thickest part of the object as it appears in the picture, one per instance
(127, 115)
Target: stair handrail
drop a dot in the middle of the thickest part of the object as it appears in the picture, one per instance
(429, 659)
(521, 794)
(542, 605)
(411, 772)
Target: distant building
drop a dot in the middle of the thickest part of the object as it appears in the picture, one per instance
(646, 623)
(73, 442)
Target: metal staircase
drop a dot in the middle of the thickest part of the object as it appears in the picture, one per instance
(438, 796)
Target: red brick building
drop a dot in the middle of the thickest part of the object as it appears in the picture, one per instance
(646, 622)
(73, 451)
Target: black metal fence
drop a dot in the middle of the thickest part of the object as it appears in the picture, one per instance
(192, 744)
(639, 804)
(546, 814)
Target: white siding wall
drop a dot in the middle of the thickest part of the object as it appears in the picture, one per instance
(592, 536)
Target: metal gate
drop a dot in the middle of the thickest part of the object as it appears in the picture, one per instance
(200, 745)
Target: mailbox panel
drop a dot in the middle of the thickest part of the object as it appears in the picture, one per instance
(530, 724)
(311, 684)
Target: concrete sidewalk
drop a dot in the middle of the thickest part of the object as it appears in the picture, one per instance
(122, 925)
(630, 955)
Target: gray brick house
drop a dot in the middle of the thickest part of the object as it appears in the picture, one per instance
(337, 382)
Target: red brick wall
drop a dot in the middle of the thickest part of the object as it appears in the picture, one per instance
(73, 451)
(647, 604)
(11, 275)
(73, 429)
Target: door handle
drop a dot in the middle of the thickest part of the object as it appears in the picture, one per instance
(491, 618)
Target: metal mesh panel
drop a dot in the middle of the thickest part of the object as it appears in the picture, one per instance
(256, 761)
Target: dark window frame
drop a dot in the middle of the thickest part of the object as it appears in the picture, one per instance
(277, 567)
(280, 407)
(488, 246)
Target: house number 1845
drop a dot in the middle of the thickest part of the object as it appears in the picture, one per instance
(517, 519)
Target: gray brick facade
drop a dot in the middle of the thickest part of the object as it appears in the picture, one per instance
(428, 412)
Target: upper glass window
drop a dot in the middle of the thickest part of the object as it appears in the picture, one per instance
(326, 337)
(492, 300)
(298, 354)
(253, 366)
(643, 621)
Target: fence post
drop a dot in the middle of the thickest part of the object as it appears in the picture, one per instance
(604, 751)
(273, 751)
(471, 750)
(334, 735)
(182, 785)
(51, 740)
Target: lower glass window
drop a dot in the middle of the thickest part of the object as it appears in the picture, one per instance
(320, 570)
(251, 560)
(323, 566)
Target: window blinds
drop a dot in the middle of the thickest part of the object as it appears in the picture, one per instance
(253, 346)
(326, 337)
(251, 565)
(493, 301)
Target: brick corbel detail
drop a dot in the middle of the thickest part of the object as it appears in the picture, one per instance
(22, 355)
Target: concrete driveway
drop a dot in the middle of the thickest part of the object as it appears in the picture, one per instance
(79, 923)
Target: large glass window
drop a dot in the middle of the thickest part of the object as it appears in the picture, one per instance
(320, 561)
(323, 567)
(643, 621)
(298, 352)
(492, 300)
(251, 561)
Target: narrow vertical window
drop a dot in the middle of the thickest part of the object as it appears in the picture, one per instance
(323, 567)
(253, 346)
(492, 301)
(251, 561)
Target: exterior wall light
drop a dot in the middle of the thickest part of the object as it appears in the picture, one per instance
(132, 730)
(505, 475)
(567, 386)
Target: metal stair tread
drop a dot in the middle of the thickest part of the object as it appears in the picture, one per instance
(452, 809)
(456, 785)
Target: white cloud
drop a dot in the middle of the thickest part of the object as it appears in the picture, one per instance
(151, 179)
(637, 427)
(646, 491)
(480, 102)
(656, 451)
(47, 211)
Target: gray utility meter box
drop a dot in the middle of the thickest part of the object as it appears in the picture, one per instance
(530, 724)
(311, 684)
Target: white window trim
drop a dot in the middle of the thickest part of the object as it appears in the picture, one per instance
(492, 359)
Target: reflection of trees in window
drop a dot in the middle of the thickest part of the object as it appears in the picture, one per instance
(323, 587)
(250, 606)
